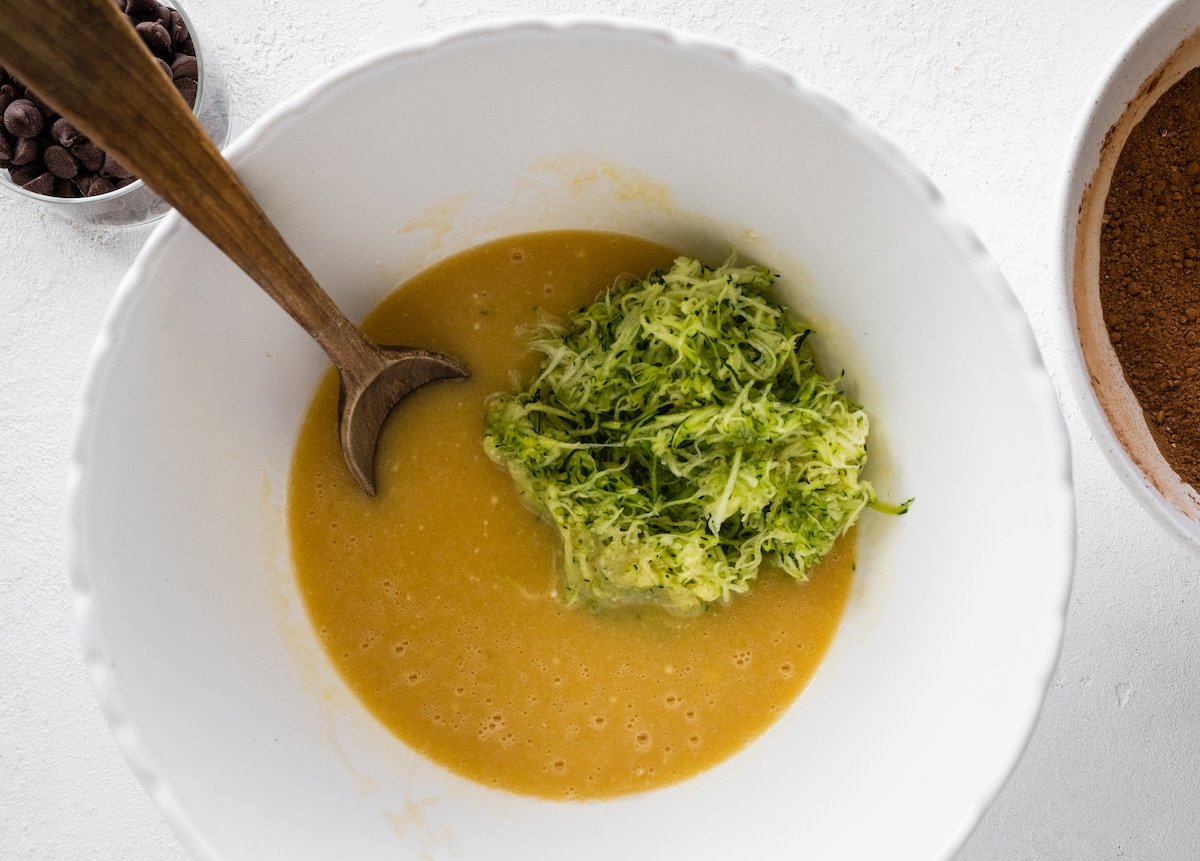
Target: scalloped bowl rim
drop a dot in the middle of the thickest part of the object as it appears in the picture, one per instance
(1007, 311)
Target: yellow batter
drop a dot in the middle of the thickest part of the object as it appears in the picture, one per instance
(436, 599)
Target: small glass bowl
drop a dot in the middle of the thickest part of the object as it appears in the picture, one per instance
(136, 204)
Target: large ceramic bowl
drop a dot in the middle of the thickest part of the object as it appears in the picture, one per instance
(202, 655)
(1162, 51)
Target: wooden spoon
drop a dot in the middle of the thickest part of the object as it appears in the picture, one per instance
(84, 58)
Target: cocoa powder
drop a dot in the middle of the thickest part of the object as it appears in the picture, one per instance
(1150, 271)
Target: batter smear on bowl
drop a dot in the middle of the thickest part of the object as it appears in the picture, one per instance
(439, 602)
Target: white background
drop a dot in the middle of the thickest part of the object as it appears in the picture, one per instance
(983, 96)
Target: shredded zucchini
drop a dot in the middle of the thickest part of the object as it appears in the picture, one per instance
(678, 436)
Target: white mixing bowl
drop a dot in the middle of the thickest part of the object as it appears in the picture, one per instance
(200, 648)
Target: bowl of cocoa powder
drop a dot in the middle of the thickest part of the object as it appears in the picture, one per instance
(1131, 266)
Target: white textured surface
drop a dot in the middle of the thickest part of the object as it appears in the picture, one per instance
(983, 97)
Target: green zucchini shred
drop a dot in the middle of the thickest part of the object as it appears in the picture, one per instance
(678, 435)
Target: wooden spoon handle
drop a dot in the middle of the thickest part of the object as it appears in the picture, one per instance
(83, 58)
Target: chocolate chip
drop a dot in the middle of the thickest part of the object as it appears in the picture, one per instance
(124, 181)
(187, 88)
(65, 188)
(83, 181)
(6, 146)
(89, 155)
(155, 35)
(185, 66)
(143, 10)
(114, 168)
(179, 34)
(8, 95)
(60, 162)
(23, 173)
(25, 151)
(23, 119)
(43, 183)
(100, 185)
(163, 66)
(65, 133)
(164, 17)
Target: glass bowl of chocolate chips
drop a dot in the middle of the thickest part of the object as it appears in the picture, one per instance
(45, 158)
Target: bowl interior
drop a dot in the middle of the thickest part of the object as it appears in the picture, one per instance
(1166, 49)
(195, 633)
